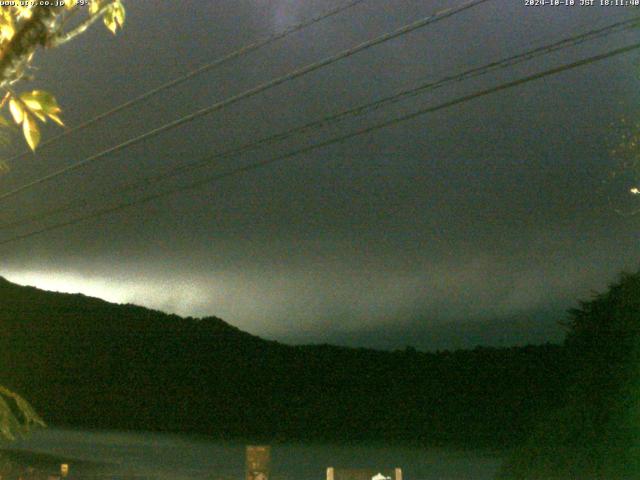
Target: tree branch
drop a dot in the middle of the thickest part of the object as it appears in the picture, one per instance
(62, 38)
(34, 32)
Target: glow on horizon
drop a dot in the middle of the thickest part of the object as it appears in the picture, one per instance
(320, 299)
(71, 283)
(180, 297)
(188, 296)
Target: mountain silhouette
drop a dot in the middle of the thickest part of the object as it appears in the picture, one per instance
(88, 363)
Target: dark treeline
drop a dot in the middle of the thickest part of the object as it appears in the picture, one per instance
(595, 433)
(87, 363)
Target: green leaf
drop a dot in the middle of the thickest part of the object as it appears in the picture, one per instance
(8, 422)
(17, 110)
(40, 115)
(41, 101)
(119, 13)
(56, 118)
(42, 104)
(114, 16)
(94, 7)
(7, 31)
(31, 131)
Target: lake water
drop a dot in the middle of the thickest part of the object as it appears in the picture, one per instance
(166, 456)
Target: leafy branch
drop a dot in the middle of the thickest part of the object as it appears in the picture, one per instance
(16, 415)
(22, 30)
(113, 15)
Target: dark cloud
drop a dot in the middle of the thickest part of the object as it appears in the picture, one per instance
(478, 224)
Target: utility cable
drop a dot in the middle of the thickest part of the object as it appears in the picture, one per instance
(194, 73)
(326, 143)
(423, 22)
(334, 118)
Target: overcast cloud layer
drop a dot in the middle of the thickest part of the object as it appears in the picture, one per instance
(480, 224)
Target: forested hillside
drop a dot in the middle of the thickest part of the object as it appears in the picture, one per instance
(86, 362)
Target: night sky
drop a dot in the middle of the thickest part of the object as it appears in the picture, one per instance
(478, 224)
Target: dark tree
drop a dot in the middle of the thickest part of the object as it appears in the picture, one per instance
(596, 435)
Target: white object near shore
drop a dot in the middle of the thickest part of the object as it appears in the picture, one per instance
(363, 474)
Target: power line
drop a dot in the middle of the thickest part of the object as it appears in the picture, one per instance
(194, 73)
(358, 110)
(326, 143)
(423, 22)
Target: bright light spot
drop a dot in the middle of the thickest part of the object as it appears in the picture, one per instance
(635, 191)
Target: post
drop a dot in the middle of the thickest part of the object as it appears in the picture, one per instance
(258, 462)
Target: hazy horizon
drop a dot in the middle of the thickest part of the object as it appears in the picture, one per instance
(470, 333)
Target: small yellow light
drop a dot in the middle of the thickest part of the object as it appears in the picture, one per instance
(64, 469)
(635, 191)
